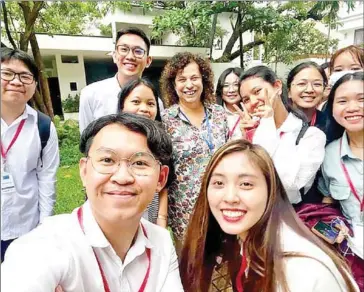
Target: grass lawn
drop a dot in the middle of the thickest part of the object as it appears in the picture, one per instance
(69, 189)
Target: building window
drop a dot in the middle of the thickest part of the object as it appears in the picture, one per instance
(359, 37)
(69, 59)
(73, 86)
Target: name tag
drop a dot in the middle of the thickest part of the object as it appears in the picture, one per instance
(7, 183)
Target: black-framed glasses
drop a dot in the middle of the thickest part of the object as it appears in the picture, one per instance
(108, 162)
(25, 78)
(124, 50)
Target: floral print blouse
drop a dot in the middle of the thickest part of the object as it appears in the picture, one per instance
(191, 153)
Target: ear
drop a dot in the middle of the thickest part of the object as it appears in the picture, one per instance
(114, 57)
(83, 170)
(163, 177)
(149, 61)
(278, 85)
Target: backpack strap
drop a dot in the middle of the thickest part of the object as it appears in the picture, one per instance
(44, 129)
(299, 137)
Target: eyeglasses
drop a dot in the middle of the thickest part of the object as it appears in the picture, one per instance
(227, 86)
(124, 51)
(316, 85)
(108, 162)
(25, 78)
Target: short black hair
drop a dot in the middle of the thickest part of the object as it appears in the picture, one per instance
(333, 129)
(158, 140)
(220, 83)
(136, 31)
(269, 76)
(129, 87)
(8, 54)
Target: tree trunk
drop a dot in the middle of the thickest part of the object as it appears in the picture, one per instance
(236, 54)
(240, 38)
(212, 35)
(43, 81)
(6, 24)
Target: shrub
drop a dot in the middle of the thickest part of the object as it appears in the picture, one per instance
(71, 104)
(69, 139)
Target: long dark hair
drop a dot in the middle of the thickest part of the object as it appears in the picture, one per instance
(333, 129)
(130, 86)
(269, 76)
(220, 83)
(205, 240)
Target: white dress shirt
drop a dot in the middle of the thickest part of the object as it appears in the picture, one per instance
(34, 180)
(100, 99)
(314, 273)
(58, 252)
(296, 164)
(233, 121)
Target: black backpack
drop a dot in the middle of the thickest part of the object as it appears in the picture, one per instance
(44, 129)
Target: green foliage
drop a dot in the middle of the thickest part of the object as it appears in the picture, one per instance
(105, 30)
(69, 139)
(301, 40)
(71, 104)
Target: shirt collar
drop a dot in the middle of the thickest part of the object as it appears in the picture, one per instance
(28, 111)
(96, 237)
(345, 148)
(291, 124)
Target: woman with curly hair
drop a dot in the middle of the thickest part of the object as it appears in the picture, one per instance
(197, 127)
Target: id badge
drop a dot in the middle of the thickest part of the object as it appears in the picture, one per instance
(7, 183)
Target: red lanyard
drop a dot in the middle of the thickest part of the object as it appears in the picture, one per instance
(106, 284)
(243, 266)
(231, 132)
(313, 120)
(348, 179)
(18, 130)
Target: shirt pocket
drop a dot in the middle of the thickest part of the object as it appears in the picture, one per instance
(339, 192)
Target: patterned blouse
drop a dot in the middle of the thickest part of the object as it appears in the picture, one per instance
(191, 153)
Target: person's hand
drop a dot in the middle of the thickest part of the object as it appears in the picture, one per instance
(59, 289)
(246, 121)
(344, 232)
(266, 110)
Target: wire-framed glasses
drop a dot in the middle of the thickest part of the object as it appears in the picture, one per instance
(124, 50)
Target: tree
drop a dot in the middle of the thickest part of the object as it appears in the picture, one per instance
(23, 19)
(192, 21)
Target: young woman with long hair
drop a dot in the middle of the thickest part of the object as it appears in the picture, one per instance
(342, 170)
(227, 95)
(244, 218)
(296, 148)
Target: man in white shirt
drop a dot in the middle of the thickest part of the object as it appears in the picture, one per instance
(105, 245)
(131, 56)
(28, 171)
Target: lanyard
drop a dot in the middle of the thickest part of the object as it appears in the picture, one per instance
(351, 185)
(313, 120)
(243, 266)
(208, 140)
(18, 130)
(231, 132)
(106, 284)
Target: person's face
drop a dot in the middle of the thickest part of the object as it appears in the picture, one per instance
(237, 194)
(345, 62)
(141, 101)
(307, 88)
(121, 195)
(230, 89)
(252, 92)
(16, 93)
(188, 84)
(130, 65)
(348, 105)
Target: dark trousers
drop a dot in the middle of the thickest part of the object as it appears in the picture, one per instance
(4, 246)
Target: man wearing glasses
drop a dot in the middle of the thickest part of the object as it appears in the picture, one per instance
(28, 171)
(104, 245)
(131, 56)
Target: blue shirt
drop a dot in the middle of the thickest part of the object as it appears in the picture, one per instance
(333, 182)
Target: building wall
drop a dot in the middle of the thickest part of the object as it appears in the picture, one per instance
(68, 73)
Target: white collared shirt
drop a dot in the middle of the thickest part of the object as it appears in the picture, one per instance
(296, 165)
(233, 121)
(35, 195)
(58, 252)
(100, 99)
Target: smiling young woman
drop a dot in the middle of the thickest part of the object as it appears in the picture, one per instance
(243, 216)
